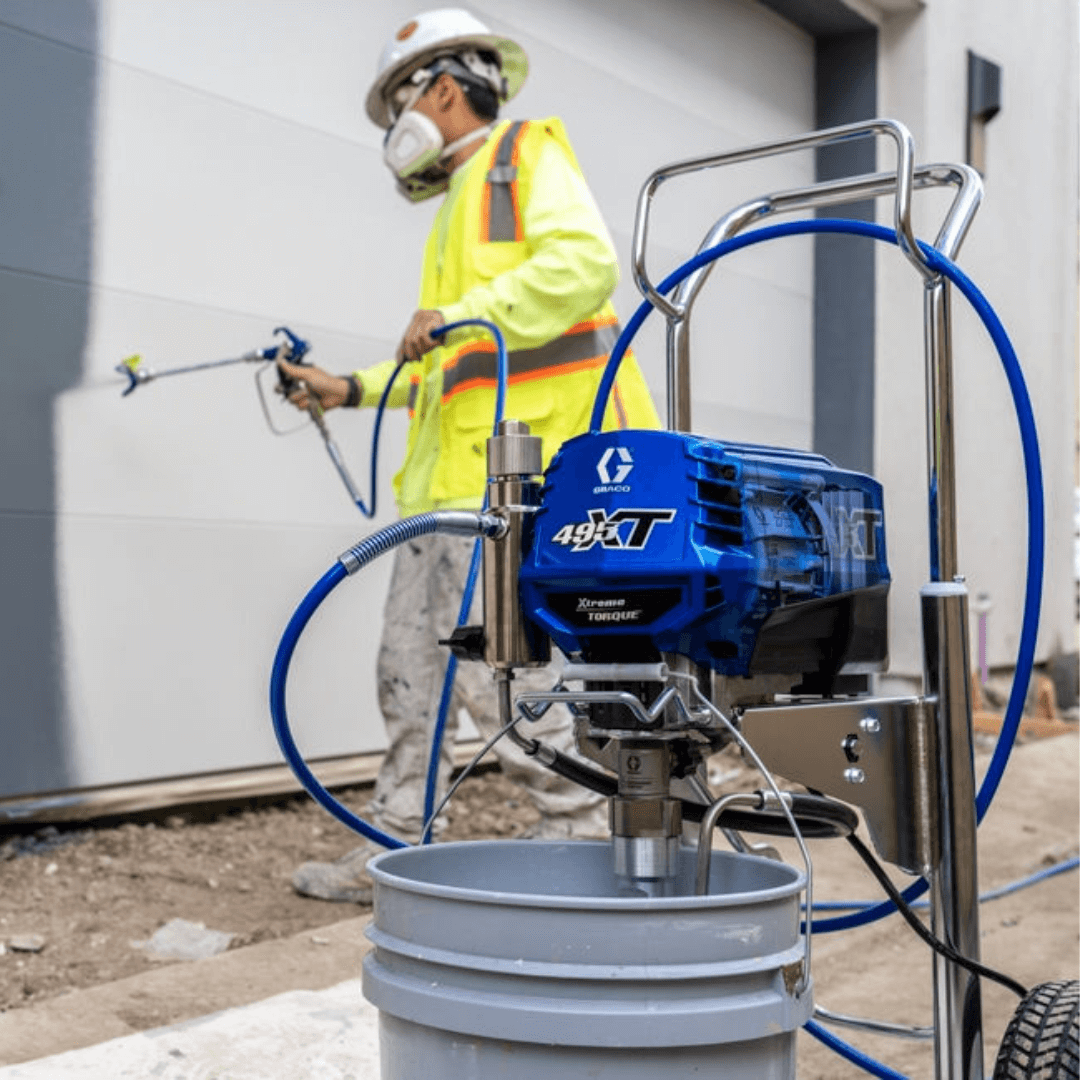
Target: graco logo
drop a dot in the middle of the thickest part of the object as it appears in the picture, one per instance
(622, 470)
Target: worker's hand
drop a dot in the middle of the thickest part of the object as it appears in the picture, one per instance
(312, 383)
(418, 339)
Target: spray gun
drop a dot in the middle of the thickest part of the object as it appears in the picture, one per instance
(292, 349)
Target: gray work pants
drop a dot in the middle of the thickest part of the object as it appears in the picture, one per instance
(426, 588)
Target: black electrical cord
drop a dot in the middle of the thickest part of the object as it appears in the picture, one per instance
(916, 924)
(581, 774)
(818, 817)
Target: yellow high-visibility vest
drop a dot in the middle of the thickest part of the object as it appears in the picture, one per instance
(556, 361)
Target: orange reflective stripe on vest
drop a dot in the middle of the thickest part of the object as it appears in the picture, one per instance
(500, 220)
(584, 346)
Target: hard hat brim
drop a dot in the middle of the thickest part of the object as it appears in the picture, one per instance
(514, 63)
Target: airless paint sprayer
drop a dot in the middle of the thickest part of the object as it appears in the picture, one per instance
(703, 594)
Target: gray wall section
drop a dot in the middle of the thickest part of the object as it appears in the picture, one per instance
(846, 73)
(47, 98)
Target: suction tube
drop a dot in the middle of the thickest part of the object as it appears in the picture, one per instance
(1032, 469)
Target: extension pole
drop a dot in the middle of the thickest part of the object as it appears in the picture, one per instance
(954, 907)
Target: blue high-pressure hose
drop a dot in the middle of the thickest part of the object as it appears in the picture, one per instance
(1063, 867)
(373, 485)
(500, 401)
(1026, 652)
(362, 553)
(431, 783)
(432, 780)
(847, 1051)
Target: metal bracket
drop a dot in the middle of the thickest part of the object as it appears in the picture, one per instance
(877, 753)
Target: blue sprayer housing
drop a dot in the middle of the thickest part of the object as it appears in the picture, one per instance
(747, 559)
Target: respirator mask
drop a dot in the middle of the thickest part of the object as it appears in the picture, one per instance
(413, 148)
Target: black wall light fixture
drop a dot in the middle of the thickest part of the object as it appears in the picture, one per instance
(983, 104)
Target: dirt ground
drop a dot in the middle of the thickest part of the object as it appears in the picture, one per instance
(88, 894)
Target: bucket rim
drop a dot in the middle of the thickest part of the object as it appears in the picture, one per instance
(391, 880)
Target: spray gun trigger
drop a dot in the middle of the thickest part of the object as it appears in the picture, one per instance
(292, 349)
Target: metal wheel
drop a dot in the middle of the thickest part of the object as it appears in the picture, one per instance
(1042, 1041)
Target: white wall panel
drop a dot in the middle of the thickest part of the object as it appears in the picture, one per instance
(1022, 252)
(229, 208)
(307, 63)
(237, 185)
(172, 629)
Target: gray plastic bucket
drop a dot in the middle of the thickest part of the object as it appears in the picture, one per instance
(517, 959)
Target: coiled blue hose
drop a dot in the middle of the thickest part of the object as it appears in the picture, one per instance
(1032, 470)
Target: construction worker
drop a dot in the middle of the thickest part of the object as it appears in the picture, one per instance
(519, 241)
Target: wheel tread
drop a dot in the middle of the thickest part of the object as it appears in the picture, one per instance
(1042, 1041)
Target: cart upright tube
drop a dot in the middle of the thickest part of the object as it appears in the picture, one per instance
(954, 904)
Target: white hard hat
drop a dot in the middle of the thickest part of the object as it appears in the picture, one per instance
(445, 32)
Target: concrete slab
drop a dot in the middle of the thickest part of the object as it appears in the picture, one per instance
(321, 1034)
(176, 993)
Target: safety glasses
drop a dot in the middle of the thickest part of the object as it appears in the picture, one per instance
(408, 93)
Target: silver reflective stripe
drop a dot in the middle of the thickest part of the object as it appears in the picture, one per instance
(502, 174)
(481, 363)
(502, 215)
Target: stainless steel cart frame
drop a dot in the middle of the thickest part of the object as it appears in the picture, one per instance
(926, 823)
